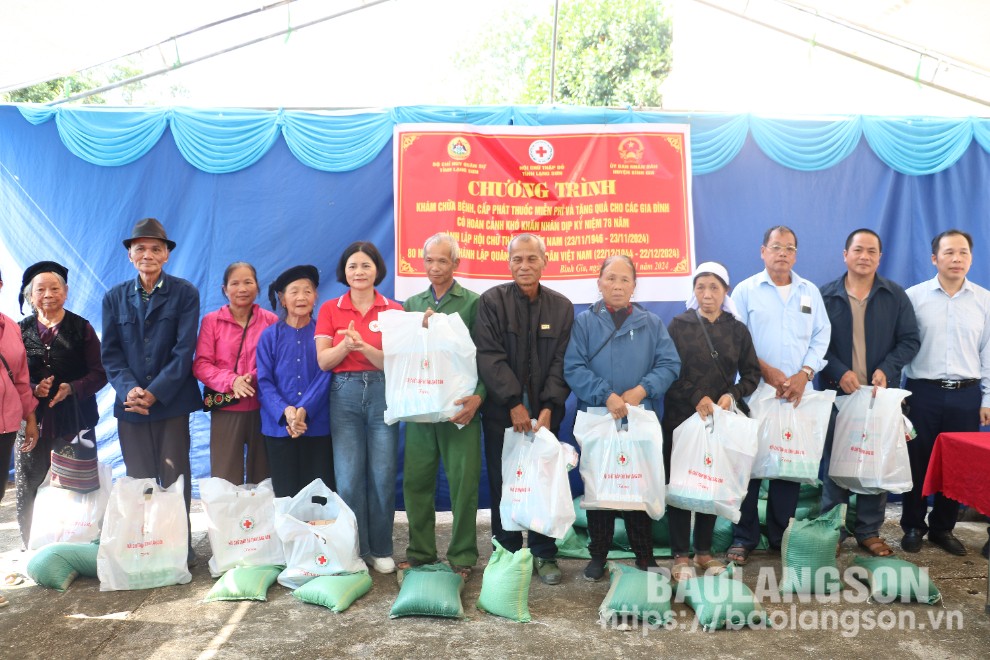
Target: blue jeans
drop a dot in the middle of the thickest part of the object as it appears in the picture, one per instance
(365, 456)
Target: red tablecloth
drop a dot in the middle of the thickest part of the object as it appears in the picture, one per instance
(960, 469)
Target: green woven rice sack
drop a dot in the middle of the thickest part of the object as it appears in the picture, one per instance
(644, 595)
(661, 532)
(807, 554)
(56, 565)
(335, 592)
(431, 590)
(809, 503)
(851, 515)
(719, 601)
(244, 583)
(620, 538)
(505, 584)
(893, 579)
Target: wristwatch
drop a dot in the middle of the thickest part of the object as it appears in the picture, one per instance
(809, 372)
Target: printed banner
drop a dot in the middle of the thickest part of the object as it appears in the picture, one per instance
(588, 191)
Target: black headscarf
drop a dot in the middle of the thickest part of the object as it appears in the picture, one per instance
(41, 267)
(291, 275)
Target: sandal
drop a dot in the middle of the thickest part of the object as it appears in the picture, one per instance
(13, 579)
(710, 567)
(876, 546)
(463, 571)
(680, 572)
(738, 555)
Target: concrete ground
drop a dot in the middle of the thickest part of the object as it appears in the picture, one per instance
(172, 623)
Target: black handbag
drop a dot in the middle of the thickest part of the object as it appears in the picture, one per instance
(740, 404)
(214, 400)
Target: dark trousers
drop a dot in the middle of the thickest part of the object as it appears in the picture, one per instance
(935, 410)
(639, 527)
(781, 504)
(230, 432)
(679, 520)
(679, 524)
(6, 449)
(870, 509)
(297, 462)
(541, 546)
(158, 450)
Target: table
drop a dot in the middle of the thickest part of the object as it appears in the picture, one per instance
(959, 469)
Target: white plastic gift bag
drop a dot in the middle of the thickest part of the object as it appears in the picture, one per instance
(145, 539)
(869, 448)
(622, 468)
(240, 523)
(65, 516)
(426, 369)
(536, 494)
(711, 461)
(791, 439)
(318, 533)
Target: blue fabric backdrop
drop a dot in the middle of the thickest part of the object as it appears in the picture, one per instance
(281, 188)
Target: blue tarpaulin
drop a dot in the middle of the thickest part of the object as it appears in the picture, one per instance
(278, 188)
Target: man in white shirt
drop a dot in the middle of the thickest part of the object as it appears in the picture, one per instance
(787, 319)
(949, 380)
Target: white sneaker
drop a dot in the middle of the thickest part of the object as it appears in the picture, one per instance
(381, 564)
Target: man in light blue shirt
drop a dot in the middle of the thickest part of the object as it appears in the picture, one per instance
(791, 331)
(949, 380)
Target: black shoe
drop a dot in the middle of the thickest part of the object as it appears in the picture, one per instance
(647, 565)
(912, 540)
(948, 542)
(595, 570)
(986, 550)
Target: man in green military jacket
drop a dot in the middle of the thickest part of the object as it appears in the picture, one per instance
(426, 444)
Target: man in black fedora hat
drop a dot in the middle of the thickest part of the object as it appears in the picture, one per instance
(149, 337)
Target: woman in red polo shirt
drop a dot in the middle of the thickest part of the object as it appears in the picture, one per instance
(365, 449)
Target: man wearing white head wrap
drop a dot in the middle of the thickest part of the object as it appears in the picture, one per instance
(787, 319)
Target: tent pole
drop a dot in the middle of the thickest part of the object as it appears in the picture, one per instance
(553, 49)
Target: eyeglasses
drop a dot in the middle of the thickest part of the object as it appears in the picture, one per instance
(777, 248)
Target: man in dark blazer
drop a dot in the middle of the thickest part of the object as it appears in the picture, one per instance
(149, 337)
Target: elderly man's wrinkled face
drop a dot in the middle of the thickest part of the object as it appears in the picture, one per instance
(438, 264)
(148, 255)
(526, 262)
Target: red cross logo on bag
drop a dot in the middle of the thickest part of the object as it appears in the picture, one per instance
(425, 364)
(708, 459)
(321, 560)
(786, 434)
(622, 459)
(519, 472)
(247, 523)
